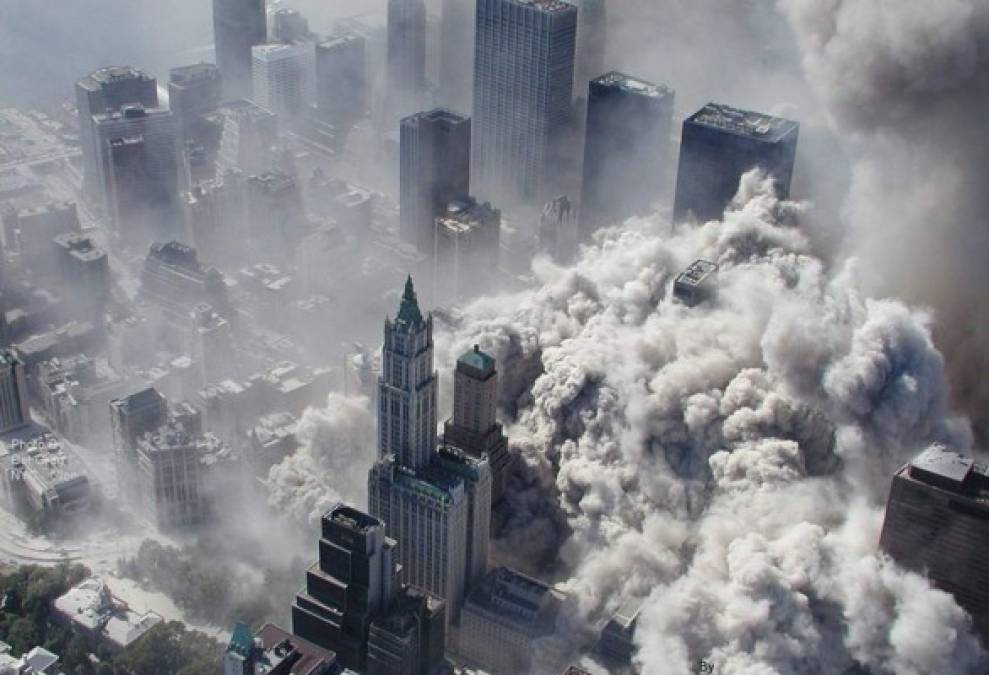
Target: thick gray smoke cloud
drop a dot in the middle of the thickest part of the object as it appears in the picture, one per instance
(908, 84)
(336, 450)
(728, 463)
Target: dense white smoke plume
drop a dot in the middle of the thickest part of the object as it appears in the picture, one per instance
(729, 462)
(336, 450)
(907, 85)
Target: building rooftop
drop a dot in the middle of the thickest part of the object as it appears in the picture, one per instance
(550, 6)
(943, 464)
(526, 603)
(757, 126)
(92, 605)
(697, 273)
(438, 115)
(339, 39)
(352, 519)
(408, 311)
(310, 660)
(140, 400)
(634, 85)
(193, 73)
(477, 360)
(110, 74)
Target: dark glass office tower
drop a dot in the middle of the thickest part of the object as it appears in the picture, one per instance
(406, 46)
(341, 79)
(523, 85)
(457, 54)
(434, 171)
(719, 145)
(238, 25)
(626, 149)
(937, 523)
(101, 92)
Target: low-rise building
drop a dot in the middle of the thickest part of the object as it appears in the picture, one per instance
(697, 283)
(90, 609)
(37, 661)
(41, 473)
(74, 393)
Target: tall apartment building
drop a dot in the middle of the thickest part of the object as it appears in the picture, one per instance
(523, 86)
(406, 46)
(139, 171)
(238, 25)
(937, 523)
(102, 91)
(626, 150)
(354, 604)
(719, 145)
(467, 248)
(474, 427)
(283, 78)
(434, 171)
(342, 79)
(13, 392)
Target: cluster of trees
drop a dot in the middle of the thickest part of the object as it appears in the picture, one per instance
(26, 595)
(206, 589)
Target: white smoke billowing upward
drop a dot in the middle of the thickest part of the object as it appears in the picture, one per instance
(728, 463)
(336, 450)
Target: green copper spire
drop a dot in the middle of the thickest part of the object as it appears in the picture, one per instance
(408, 311)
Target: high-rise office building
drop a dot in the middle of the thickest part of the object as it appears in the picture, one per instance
(436, 503)
(523, 85)
(276, 218)
(354, 604)
(719, 145)
(474, 428)
(288, 25)
(106, 90)
(937, 523)
(169, 477)
(238, 25)
(626, 149)
(592, 38)
(466, 250)
(284, 77)
(138, 160)
(13, 392)
(193, 91)
(456, 83)
(406, 46)
(248, 133)
(434, 171)
(407, 387)
(341, 79)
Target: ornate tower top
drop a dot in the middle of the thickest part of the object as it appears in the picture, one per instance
(408, 312)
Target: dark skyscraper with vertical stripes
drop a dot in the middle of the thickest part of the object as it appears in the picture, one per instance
(523, 86)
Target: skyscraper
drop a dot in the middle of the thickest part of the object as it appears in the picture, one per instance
(407, 388)
(436, 503)
(592, 38)
(457, 54)
(626, 149)
(465, 257)
(937, 523)
(719, 145)
(106, 90)
(247, 135)
(138, 161)
(284, 77)
(434, 171)
(406, 46)
(238, 25)
(523, 85)
(341, 79)
(13, 392)
(474, 428)
(193, 91)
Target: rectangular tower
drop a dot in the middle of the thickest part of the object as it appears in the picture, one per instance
(106, 90)
(238, 25)
(283, 77)
(353, 581)
(406, 46)
(341, 79)
(193, 91)
(937, 523)
(626, 150)
(523, 85)
(474, 428)
(456, 83)
(466, 251)
(435, 170)
(719, 145)
(13, 392)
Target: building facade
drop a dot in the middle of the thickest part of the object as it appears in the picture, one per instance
(466, 253)
(456, 85)
(434, 171)
(342, 80)
(13, 392)
(626, 150)
(406, 46)
(523, 85)
(238, 25)
(718, 146)
(283, 77)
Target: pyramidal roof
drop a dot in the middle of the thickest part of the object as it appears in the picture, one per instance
(408, 311)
